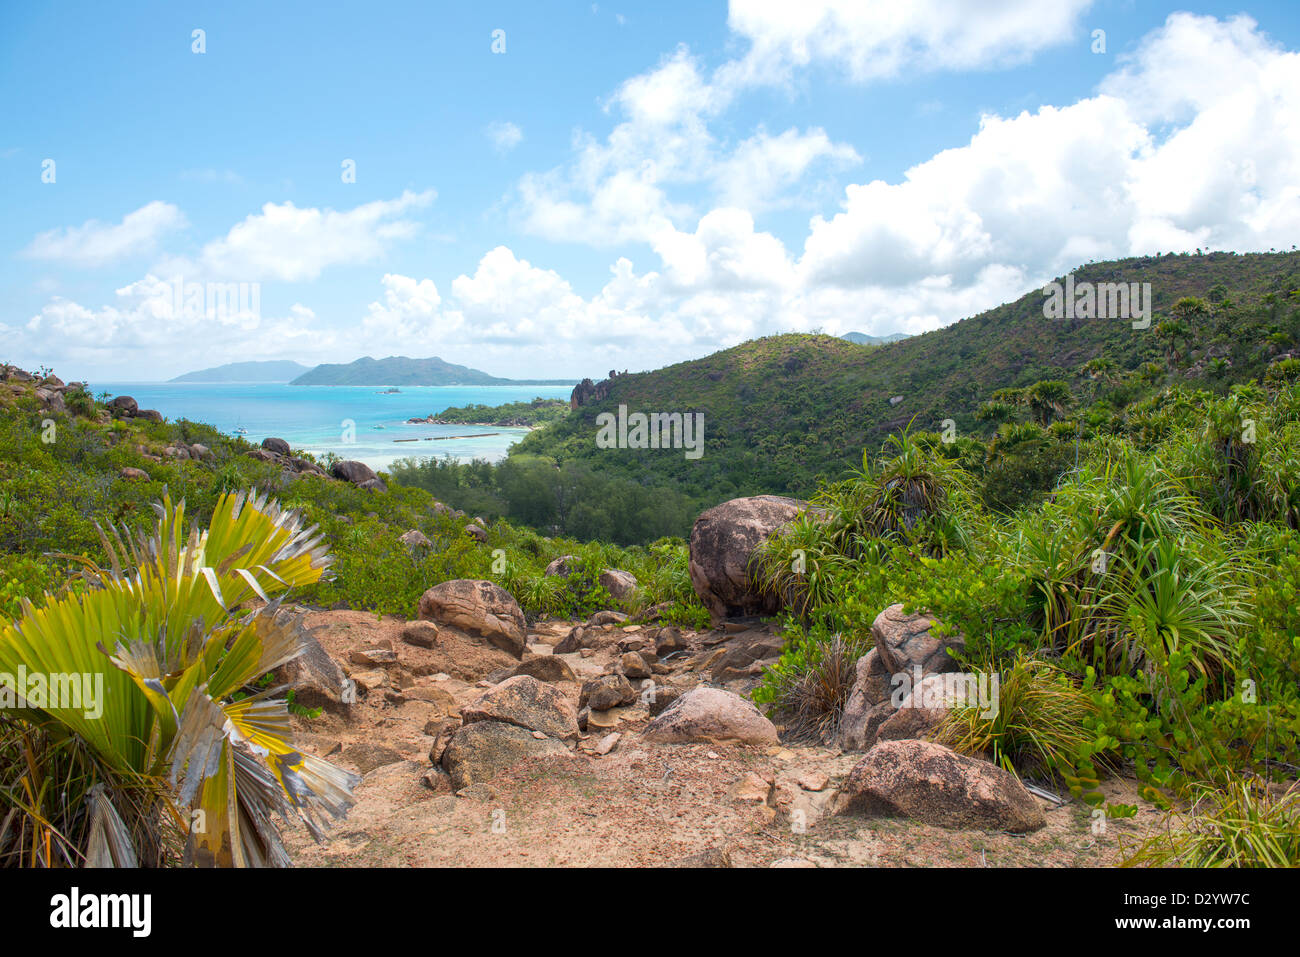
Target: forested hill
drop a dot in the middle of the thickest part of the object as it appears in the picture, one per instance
(401, 370)
(783, 411)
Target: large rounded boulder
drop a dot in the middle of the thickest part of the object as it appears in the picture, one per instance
(936, 785)
(481, 750)
(723, 542)
(357, 473)
(480, 608)
(527, 703)
(711, 715)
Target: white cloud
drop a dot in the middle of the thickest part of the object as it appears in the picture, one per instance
(150, 318)
(96, 244)
(872, 41)
(292, 245)
(617, 190)
(505, 136)
(766, 167)
(409, 312)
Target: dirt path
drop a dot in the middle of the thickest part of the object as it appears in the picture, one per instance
(640, 805)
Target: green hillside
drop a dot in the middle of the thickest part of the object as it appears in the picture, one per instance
(785, 411)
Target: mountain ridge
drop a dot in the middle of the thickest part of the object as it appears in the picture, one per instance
(270, 371)
(406, 371)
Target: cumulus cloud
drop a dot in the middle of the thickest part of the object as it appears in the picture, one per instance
(284, 242)
(617, 190)
(152, 317)
(1193, 141)
(96, 244)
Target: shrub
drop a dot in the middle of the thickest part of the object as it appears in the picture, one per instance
(1239, 824)
(1038, 726)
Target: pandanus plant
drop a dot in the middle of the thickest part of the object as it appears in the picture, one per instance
(188, 744)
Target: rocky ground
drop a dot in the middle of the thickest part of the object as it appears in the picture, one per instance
(606, 782)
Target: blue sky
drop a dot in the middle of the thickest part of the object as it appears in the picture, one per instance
(626, 185)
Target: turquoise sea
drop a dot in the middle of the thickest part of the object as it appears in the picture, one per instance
(315, 418)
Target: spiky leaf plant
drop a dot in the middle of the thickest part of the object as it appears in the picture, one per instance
(176, 626)
(1238, 824)
(810, 702)
(1038, 724)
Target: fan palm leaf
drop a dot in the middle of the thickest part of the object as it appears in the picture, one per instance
(164, 633)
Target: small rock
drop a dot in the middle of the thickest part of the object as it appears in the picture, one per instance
(544, 668)
(668, 641)
(618, 583)
(479, 751)
(123, 405)
(357, 473)
(480, 608)
(605, 692)
(423, 634)
(416, 539)
(753, 788)
(373, 656)
(711, 714)
(368, 755)
(370, 680)
(634, 666)
(813, 780)
(436, 780)
(528, 703)
(934, 784)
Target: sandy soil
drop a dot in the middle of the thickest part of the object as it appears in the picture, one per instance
(642, 804)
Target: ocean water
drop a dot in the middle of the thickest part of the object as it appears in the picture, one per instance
(315, 418)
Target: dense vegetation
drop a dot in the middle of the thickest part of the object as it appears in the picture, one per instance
(535, 413)
(1143, 619)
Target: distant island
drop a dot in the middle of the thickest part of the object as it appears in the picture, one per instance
(275, 370)
(862, 339)
(400, 370)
